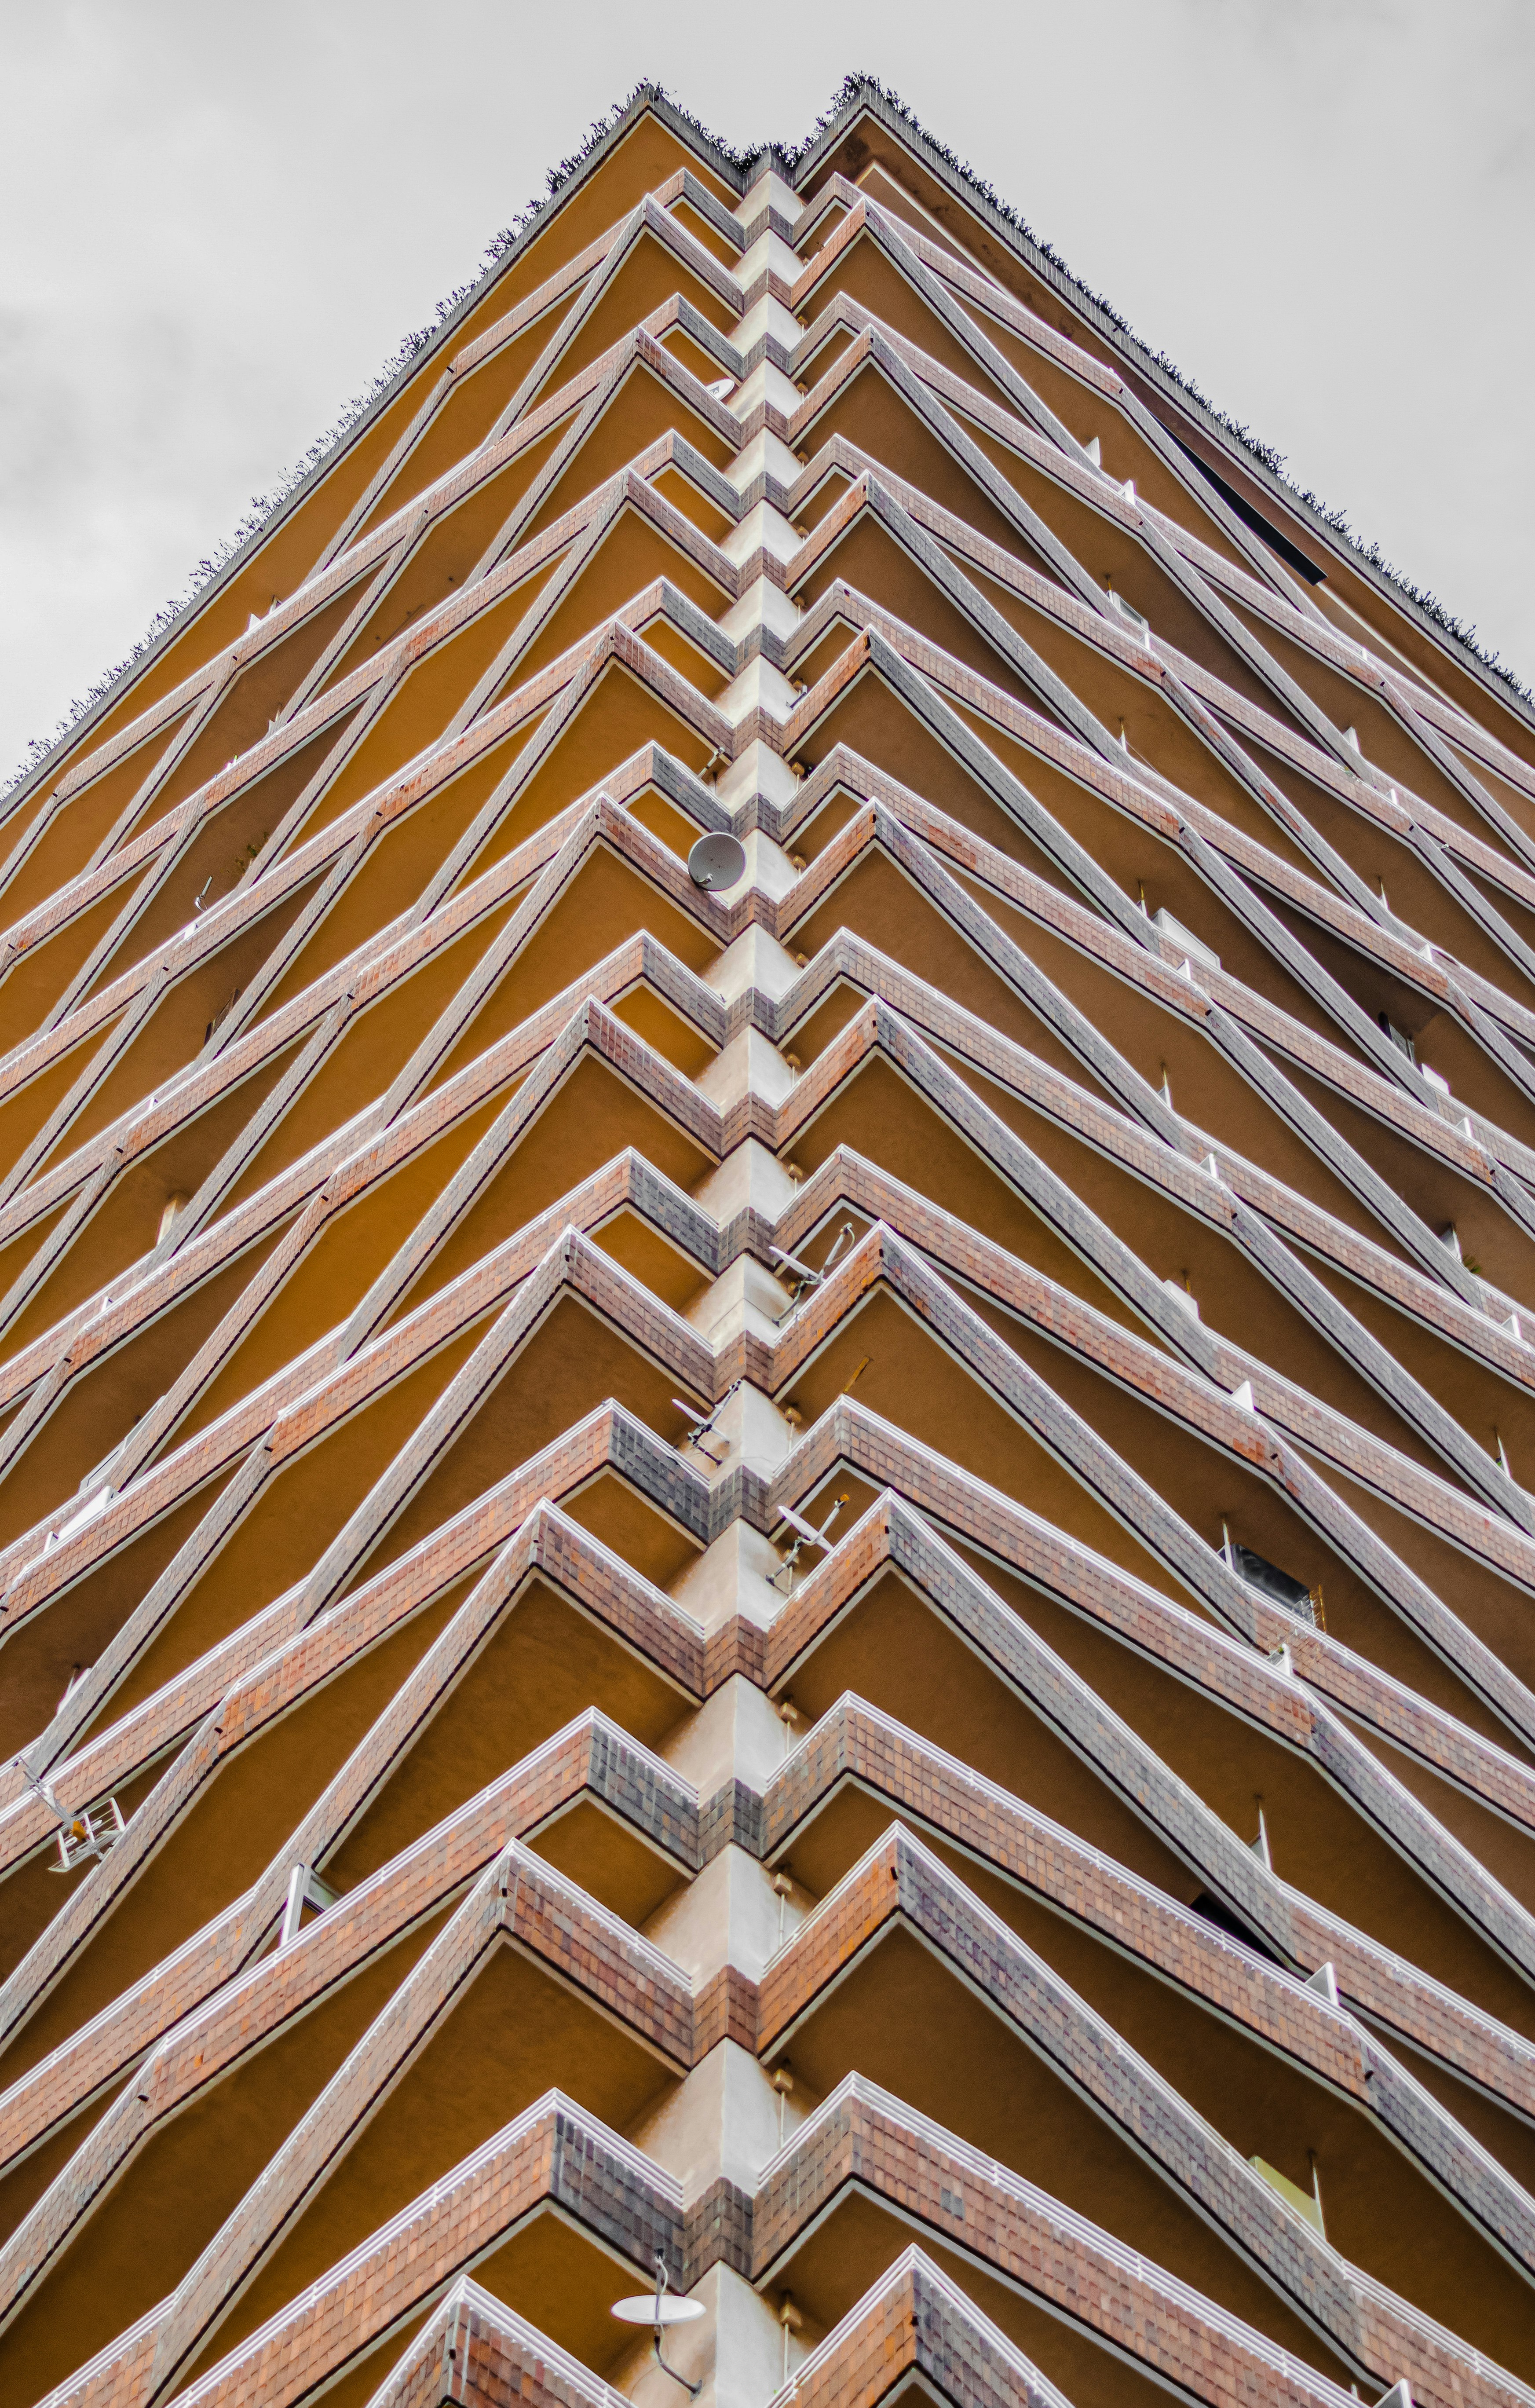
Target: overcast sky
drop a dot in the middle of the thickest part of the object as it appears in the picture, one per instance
(218, 222)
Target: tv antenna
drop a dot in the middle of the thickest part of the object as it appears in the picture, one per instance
(806, 1535)
(704, 1428)
(804, 1275)
(80, 1835)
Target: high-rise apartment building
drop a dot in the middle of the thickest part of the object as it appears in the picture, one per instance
(767, 1367)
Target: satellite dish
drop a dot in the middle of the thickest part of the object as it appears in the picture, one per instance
(717, 861)
(657, 2309)
(646, 2309)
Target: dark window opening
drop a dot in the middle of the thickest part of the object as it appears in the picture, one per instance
(1214, 1909)
(1289, 552)
(1398, 1037)
(1279, 1586)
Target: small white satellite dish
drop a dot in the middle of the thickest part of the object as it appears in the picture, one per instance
(660, 2308)
(646, 2309)
(717, 861)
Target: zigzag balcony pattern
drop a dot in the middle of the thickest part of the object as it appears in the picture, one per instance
(828, 1584)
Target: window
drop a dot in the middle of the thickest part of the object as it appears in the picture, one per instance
(1400, 1038)
(1281, 1587)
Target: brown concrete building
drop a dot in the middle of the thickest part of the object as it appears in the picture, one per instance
(820, 1567)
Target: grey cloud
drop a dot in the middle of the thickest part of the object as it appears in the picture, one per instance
(219, 223)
